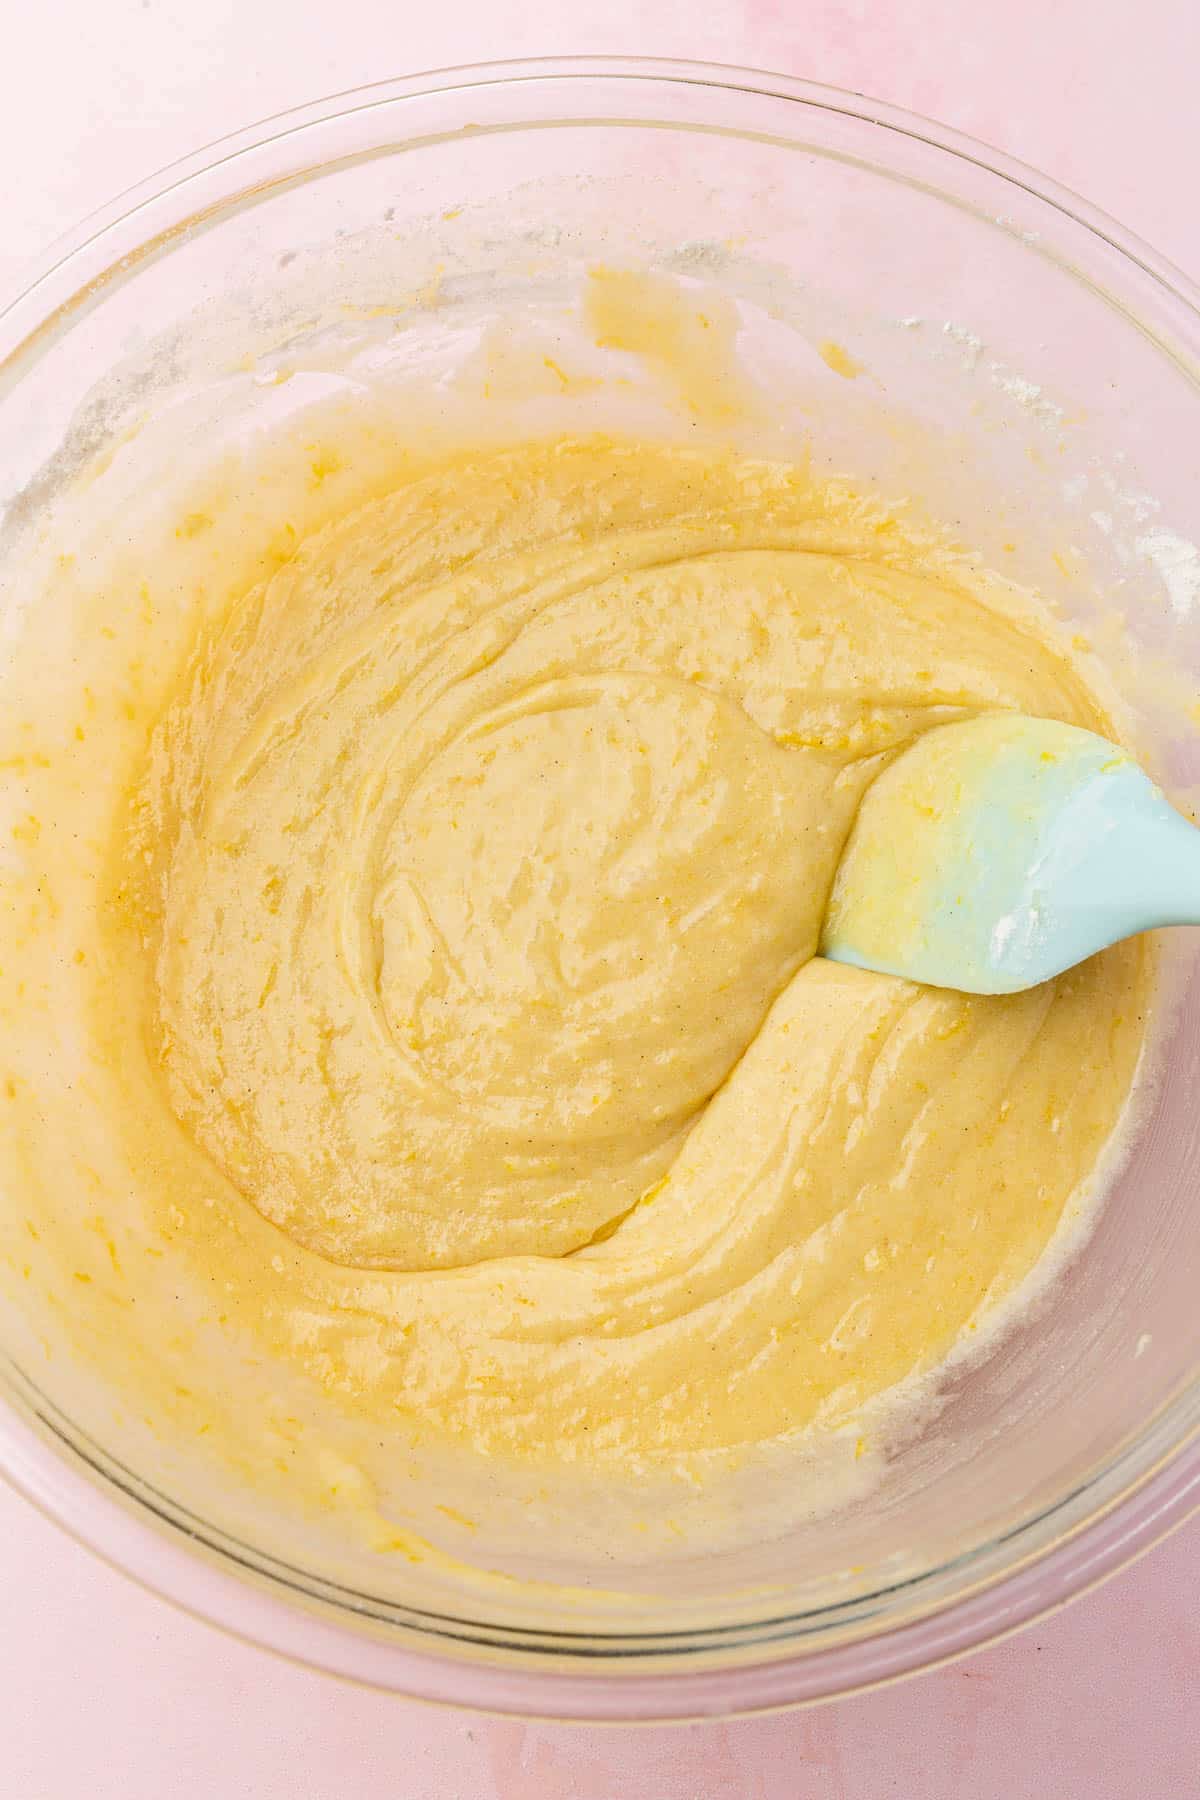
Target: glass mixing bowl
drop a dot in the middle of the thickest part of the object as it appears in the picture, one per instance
(1031, 370)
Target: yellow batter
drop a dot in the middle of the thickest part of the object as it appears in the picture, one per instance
(456, 975)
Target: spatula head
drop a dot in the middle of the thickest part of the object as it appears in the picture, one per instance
(997, 852)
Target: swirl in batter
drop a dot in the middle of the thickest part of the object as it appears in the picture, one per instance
(476, 878)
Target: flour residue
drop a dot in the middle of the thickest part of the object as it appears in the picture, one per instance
(1177, 563)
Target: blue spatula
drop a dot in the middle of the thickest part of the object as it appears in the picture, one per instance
(995, 853)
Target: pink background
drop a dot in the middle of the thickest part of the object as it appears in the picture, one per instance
(104, 1690)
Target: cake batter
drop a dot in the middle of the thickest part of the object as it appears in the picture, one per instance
(467, 898)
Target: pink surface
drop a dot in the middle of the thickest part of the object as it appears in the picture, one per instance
(107, 1692)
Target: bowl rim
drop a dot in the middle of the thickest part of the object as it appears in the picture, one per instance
(82, 1495)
